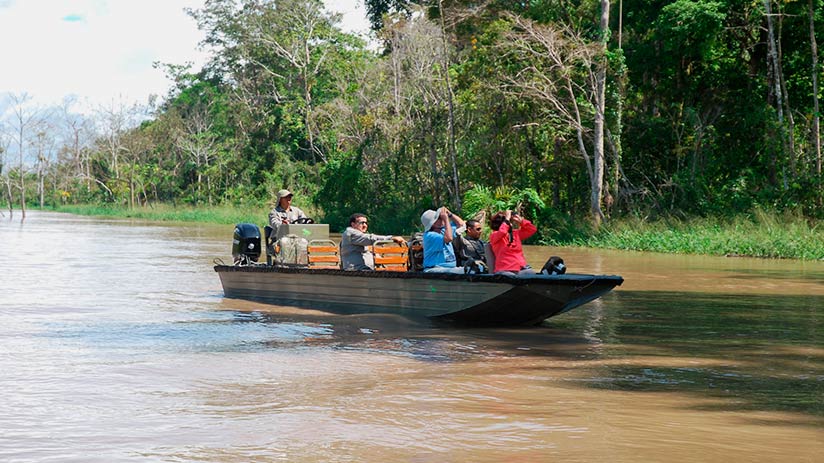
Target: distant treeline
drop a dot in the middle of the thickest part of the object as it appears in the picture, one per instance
(577, 111)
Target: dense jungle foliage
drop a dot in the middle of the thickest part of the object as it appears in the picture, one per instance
(710, 108)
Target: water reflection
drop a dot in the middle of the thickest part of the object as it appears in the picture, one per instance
(761, 353)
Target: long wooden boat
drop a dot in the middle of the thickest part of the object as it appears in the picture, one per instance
(479, 299)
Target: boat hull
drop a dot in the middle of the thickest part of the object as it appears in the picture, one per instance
(469, 299)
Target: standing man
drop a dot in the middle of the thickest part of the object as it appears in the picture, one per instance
(470, 246)
(438, 252)
(284, 212)
(355, 241)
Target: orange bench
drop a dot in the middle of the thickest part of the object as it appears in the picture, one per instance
(323, 254)
(390, 256)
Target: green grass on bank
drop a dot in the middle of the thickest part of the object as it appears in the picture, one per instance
(222, 214)
(761, 234)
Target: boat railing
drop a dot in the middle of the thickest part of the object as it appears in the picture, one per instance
(268, 233)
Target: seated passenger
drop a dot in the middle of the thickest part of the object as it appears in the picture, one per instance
(438, 252)
(354, 244)
(284, 212)
(470, 246)
(508, 230)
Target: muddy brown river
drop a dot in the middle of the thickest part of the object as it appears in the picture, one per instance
(117, 345)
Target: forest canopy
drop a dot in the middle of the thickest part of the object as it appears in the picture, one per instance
(585, 109)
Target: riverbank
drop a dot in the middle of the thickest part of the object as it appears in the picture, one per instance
(222, 214)
(760, 234)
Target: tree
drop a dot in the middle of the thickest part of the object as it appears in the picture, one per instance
(450, 105)
(24, 121)
(44, 147)
(5, 142)
(600, 107)
(278, 49)
(421, 96)
(195, 136)
(114, 123)
(377, 9)
(773, 42)
(78, 132)
(816, 135)
(556, 66)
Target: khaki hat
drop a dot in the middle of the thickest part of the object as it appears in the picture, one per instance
(283, 193)
(428, 219)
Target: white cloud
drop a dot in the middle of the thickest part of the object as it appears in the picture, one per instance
(103, 50)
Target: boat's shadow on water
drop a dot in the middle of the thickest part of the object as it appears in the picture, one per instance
(422, 338)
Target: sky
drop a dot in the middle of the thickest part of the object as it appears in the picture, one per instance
(101, 51)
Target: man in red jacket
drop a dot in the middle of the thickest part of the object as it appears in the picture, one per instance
(509, 229)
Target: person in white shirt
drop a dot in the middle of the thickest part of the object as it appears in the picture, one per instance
(284, 212)
(355, 242)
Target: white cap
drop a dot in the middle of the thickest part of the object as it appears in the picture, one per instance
(283, 193)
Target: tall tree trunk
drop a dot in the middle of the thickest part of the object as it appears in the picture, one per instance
(785, 97)
(598, 136)
(775, 65)
(40, 178)
(131, 185)
(451, 107)
(433, 162)
(616, 137)
(816, 118)
(22, 172)
(11, 198)
(307, 95)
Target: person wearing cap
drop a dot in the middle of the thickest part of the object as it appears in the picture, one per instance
(439, 232)
(355, 242)
(284, 212)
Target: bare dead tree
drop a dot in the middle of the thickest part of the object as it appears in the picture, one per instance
(194, 136)
(78, 132)
(559, 70)
(113, 121)
(25, 120)
(44, 145)
(5, 143)
(419, 95)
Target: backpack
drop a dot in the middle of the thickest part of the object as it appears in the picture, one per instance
(292, 249)
(416, 253)
(474, 267)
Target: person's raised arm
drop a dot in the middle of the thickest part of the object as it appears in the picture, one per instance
(461, 224)
(527, 228)
(444, 216)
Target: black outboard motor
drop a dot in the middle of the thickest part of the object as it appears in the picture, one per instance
(246, 244)
(554, 266)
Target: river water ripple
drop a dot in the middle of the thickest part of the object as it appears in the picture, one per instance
(116, 344)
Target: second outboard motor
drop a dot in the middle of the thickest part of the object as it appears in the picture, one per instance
(246, 244)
